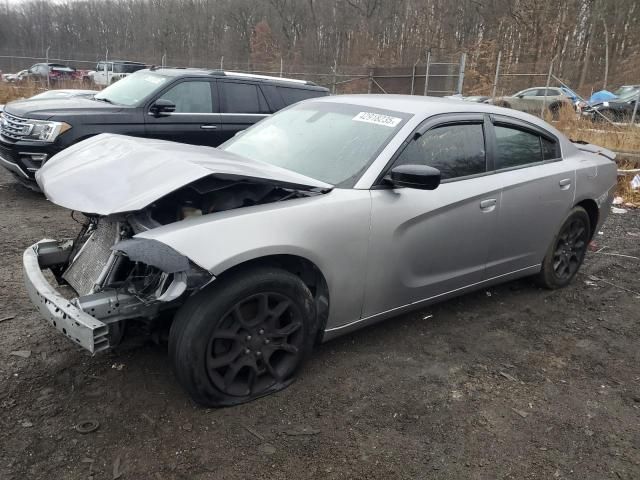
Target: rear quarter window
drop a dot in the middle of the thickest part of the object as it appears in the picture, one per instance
(243, 98)
(295, 95)
(517, 148)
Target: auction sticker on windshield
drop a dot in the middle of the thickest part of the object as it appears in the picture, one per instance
(156, 80)
(377, 119)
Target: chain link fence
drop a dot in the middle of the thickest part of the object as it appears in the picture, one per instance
(436, 77)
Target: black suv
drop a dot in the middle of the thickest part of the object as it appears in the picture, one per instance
(202, 107)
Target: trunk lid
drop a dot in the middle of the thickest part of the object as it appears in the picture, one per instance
(591, 148)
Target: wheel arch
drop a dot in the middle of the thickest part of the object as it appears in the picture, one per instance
(310, 274)
(592, 210)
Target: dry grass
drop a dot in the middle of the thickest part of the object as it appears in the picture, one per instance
(18, 91)
(12, 91)
(629, 196)
(619, 138)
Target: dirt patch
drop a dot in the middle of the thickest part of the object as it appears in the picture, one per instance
(514, 382)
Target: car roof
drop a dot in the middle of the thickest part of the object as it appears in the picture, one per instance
(128, 62)
(430, 106)
(541, 88)
(195, 72)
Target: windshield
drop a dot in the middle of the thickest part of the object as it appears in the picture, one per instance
(629, 95)
(625, 89)
(331, 142)
(133, 89)
(569, 93)
(126, 67)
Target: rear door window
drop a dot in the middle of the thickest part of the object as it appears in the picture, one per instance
(191, 97)
(243, 98)
(550, 149)
(515, 148)
(455, 150)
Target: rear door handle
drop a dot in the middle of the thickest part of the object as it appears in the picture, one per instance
(208, 127)
(488, 205)
(565, 183)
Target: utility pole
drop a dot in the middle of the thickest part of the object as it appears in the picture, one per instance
(606, 55)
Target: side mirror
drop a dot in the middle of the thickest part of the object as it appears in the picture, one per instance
(420, 177)
(162, 107)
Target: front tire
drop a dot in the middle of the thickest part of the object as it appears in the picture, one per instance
(243, 337)
(566, 253)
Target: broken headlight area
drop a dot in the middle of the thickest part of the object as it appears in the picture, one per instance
(114, 277)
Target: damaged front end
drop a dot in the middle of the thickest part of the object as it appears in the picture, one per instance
(108, 275)
(127, 186)
(105, 276)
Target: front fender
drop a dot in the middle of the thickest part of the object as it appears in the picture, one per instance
(330, 230)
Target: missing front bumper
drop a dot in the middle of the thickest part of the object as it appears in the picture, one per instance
(80, 327)
(87, 319)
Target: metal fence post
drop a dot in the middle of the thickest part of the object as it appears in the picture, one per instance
(163, 60)
(106, 66)
(463, 61)
(370, 85)
(413, 77)
(495, 79)
(281, 66)
(635, 109)
(546, 88)
(47, 62)
(335, 73)
(222, 62)
(426, 74)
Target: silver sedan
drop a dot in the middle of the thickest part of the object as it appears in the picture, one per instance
(331, 215)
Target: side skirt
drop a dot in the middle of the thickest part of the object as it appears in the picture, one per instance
(334, 332)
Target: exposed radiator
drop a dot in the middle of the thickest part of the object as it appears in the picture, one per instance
(89, 264)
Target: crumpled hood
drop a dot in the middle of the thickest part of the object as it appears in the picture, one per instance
(110, 173)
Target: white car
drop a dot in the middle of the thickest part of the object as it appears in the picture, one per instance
(107, 73)
(14, 77)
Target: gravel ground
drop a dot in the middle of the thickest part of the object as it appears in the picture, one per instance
(514, 382)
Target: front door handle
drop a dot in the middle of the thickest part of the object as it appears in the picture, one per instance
(488, 205)
(565, 184)
(208, 127)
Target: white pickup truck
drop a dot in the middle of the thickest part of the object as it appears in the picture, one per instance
(109, 72)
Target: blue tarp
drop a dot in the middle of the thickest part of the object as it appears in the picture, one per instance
(601, 96)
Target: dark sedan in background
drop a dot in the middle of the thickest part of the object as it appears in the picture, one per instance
(616, 110)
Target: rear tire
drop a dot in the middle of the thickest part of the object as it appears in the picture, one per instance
(243, 337)
(554, 109)
(610, 115)
(566, 253)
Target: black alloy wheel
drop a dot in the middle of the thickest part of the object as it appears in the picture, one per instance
(245, 336)
(256, 345)
(570, 249)
(567, 251)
